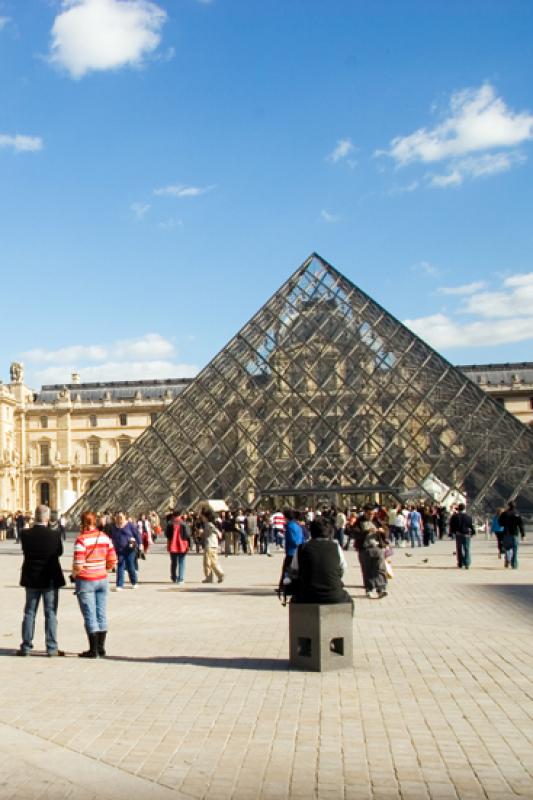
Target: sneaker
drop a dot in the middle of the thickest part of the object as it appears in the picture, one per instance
(22, 652)
(135, 586)
(221, 579)
(55, 653)
(118, 588)
(382, 594)
(369, 595)
(207, 580)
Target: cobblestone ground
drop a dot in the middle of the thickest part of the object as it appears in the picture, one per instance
(196, 700)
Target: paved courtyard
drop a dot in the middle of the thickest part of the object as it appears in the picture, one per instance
(196, 700)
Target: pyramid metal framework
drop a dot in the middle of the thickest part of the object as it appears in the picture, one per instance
(322, 390)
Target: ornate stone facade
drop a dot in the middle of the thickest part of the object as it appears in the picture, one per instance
(55, 443)
(510, 384)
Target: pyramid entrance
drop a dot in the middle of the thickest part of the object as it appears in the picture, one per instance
(323, 392)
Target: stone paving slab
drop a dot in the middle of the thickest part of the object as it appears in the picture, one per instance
(196, 699)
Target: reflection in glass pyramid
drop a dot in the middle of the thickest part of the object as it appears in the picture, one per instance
(323, 392)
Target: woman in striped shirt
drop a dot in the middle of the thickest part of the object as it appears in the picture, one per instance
(94, 556)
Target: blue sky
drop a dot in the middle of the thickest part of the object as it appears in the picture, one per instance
(166, 165)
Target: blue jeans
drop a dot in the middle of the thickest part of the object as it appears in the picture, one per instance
(339, 536)
(126, 561)
(50, 601)
(462, 547)
(264, 542)
(177, 560)
(414, 535)
(92, 598)
(429, 535)
(396, 533)
(510, 546)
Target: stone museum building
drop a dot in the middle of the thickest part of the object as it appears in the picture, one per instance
(55, 443)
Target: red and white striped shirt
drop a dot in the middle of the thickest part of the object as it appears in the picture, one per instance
(277, 520)
(94, 555)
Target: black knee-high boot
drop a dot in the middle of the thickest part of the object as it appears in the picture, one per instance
(92, 652)
(101, 643)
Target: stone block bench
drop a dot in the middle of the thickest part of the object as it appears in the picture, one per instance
(320, 636)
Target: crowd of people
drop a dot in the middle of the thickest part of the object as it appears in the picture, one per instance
(313, 541)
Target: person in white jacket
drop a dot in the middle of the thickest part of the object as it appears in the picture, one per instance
(212, 537)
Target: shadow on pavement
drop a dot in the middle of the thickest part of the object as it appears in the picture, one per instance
(252, 592)
(268, 664)
(520, 594)
(449, 566)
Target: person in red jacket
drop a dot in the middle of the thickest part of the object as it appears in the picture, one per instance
(94, 556)
(178, 540)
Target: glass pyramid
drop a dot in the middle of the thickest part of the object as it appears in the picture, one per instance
(323, 392)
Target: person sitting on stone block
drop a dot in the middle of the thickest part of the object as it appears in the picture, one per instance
(318, 567)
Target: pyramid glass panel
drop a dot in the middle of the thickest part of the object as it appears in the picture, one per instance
(323, 392)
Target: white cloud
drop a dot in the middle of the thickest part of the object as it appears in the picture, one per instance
(21, 144)
(515, 297)
(477, 167)
(478, 138)
(180, 190)
(427, 268)
(148, 356)
(520, 280)
(453, 178)
(409, 187)
(498, 317)
(170, 224)
(443, 332)
(467, 288)
(326, 216)
(478, 120)
(490, 164)
(140, 209)
(151, 346)
(97, 35)
(343, 148)
(115, 371)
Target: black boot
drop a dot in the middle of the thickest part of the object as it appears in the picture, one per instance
(92, 652)
(101, 643)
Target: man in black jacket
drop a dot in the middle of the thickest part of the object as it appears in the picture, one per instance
(320, 565)
(41, 575)
(462, 526)
(513, 527)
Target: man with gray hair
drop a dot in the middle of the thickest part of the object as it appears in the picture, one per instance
(41, 576)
